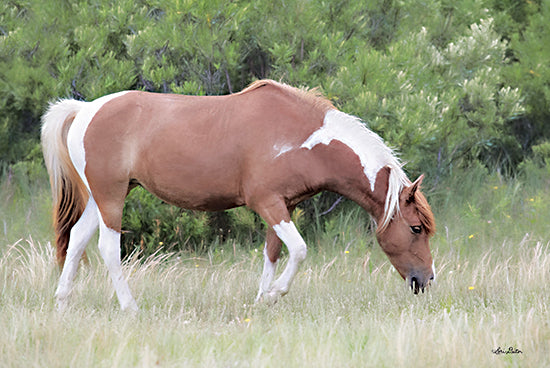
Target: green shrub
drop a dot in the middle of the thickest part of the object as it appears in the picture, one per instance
(439, 107)
(531, 73)
(450, 84)
(149, 224)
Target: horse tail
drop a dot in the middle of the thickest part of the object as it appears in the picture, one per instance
(70, 194)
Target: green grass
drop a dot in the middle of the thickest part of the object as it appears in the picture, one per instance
(25, 203)
(343, 310)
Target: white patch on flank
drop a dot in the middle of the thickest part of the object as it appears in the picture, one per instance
(75, 137)
(367, 145)
(281, 149)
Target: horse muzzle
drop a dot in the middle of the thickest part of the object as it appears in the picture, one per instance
(418, 281)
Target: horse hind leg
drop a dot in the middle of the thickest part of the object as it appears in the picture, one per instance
(109, 247)
(80, 235)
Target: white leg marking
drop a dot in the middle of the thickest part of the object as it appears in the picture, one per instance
(267, 275)
(287, 232)
(80, 235)
(109, 247)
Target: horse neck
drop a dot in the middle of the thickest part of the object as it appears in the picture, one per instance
(357, 163)
(344, 174)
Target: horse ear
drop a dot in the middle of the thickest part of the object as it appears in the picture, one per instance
(413, 188)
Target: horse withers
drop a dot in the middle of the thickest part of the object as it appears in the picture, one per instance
(268, 147)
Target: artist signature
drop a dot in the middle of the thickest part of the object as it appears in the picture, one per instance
(511, 350)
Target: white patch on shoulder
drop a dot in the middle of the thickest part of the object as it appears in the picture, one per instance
(281, 149)
(366, 144)
(77, 131)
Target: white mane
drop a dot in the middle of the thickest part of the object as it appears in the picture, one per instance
(371, 150)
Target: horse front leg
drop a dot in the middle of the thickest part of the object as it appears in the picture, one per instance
(281, 229)
(272, 250)
(287, 232)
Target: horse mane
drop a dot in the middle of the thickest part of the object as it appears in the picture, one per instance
(308, 95)
(397, 181)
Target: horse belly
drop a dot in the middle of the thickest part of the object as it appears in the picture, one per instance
(205, 181)
(194, 196)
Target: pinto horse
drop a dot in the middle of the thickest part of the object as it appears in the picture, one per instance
(268, 147)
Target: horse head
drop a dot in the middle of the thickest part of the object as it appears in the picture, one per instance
(405, 239)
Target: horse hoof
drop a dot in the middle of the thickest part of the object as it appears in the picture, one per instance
(269, 298)
(131, 307)
(61, 305)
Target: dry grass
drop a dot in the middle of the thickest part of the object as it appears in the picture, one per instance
(344, 310)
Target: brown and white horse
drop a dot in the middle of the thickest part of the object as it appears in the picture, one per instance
(268, 147)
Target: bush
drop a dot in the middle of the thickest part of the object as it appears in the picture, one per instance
(439, 107)
(149, 225)
(439, 92)
(448, 83)
(531, 73)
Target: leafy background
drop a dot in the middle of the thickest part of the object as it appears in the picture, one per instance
(450, 84)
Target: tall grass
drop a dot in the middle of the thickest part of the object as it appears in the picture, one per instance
(474, 210)
(339, 313)
(347, 307)
(25, 202)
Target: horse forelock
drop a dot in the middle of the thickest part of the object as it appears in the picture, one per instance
(425, 213)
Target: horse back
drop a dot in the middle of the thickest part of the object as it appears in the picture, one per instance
(197, 152)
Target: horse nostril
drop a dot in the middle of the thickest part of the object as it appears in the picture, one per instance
(415, 285)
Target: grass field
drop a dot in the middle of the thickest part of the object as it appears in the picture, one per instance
(344, 309)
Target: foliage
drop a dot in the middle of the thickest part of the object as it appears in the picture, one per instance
(149, 225)
(440, 107)
(450, 84)
(531, 73)
(25, 202)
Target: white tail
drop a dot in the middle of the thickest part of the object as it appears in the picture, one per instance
(69, 192)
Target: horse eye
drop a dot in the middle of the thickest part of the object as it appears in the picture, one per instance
(416, 229)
